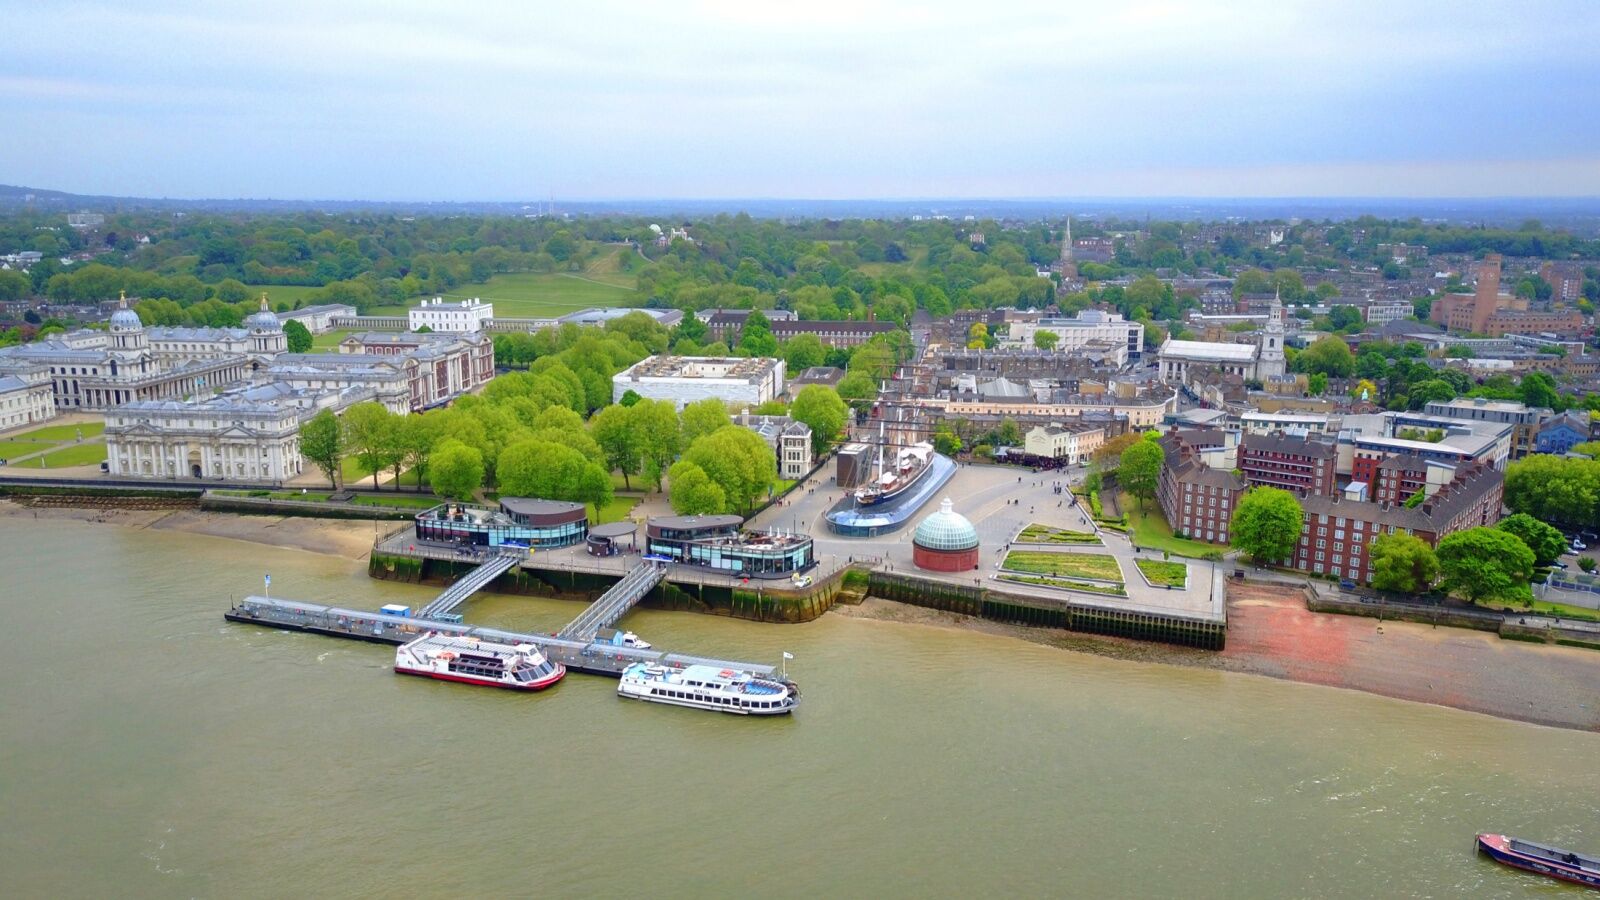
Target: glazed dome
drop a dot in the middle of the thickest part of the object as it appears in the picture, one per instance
(945, 530)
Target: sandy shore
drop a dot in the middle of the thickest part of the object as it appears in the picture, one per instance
(347, 538)
(1271, 633)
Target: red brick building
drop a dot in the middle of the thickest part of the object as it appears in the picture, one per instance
(1337, 536)
(1297, 464)
(1197, 500)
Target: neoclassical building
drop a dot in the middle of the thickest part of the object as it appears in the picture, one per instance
(96, 370)
(1261, 360)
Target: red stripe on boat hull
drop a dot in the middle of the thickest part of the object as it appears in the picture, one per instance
(560, 673)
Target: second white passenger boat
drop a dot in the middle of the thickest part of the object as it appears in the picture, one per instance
(708, 687)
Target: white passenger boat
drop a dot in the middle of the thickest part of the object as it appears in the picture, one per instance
(520, 667)
(708, 687)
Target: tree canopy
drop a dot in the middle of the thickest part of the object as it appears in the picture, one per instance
(1266, 524)
(1403, 563)
(1486, 564)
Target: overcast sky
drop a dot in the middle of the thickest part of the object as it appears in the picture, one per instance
(468, 100)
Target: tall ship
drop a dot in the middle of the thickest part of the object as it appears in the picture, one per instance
(909, 465)
(708, 687)
(519, 667)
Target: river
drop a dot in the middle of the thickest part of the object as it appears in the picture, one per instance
(151, 749)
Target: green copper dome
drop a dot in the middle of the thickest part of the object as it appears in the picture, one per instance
(945, 530)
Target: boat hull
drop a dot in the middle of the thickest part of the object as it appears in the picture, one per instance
(523, 687)
(896, 491)
(1498, 848)
(712, 707)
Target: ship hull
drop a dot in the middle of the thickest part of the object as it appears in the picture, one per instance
(1498, 848)
(896, 491)
(523, 687)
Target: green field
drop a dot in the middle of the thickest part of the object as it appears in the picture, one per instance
(328, 342)
(14, 449)
(75, 455)
(1160, 572)
(282, 293)
(616, 510)
(1150, 529)
(1115, 590)
(62, 432)
(538, 294)
(1077, 565)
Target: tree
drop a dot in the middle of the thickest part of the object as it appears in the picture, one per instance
(858, 387)
(1403, 563)
(534, 468)
(1539, 389)
(945, 440)
(1329, 356)
(630, 397)
(702, 417)
(1546, 542)
(660, 437)
(756, 337)
(1109, 454)
(1046, 340)
(1364, 389)
(414, 442)
(299, 336)
(615, 430)
(693, 491)
(322, 442)
(1317, 384)
(1266, 524)
(803, 351)
(369, 436)
(1139, 469)
(1430, 391)
(737, 460)
(455, 470)
(1486, 564)
(821, 408)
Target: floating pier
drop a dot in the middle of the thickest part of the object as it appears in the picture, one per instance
(577, 655)
(615, 602)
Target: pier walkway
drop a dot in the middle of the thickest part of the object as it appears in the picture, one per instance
(577, 655)
(615, 602)
(470, 583)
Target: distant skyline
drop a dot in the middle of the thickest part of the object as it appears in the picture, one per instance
(826, 100)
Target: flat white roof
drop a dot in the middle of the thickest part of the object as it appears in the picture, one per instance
(1208, 350)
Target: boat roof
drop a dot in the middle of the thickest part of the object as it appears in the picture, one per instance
(471, 645)
(708, 673)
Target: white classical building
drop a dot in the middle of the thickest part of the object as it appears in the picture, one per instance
(317, 319)
(685, 379)
(1260, 360)
(455, 316)
(26, 398)
(96, 370)
(789, 440)
(250, 434)
(1089, 325)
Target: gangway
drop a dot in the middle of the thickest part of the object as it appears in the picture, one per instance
(616, 601)
(469, 584)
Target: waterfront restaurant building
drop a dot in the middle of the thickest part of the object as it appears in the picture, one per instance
(717, 542)
(518, 522)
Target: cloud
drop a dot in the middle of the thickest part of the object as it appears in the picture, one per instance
(721, 98)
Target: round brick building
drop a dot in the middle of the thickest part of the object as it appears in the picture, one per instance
(945, 542)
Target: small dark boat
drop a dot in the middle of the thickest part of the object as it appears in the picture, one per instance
(1541, 858)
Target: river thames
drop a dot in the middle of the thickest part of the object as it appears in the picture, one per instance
(151, 749)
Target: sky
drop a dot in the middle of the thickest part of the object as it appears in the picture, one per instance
(822, 99)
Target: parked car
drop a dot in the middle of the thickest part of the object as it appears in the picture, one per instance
(1347, 585)
(1579, 545)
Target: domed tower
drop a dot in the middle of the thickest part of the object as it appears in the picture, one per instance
(127, 331)
(266, 332)
(945, 542)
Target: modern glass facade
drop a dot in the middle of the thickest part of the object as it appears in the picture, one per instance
(485, 527)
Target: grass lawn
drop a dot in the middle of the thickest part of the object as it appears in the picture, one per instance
(282, 293)
(1116, 590)
(535, 294)
(14, 449)
(1080, 565)
(75, 455)
(1150, 529)
(1564, 611)
(1161, 572)
(1045, 534)
(616, 510)
(328, 342)
(62, 432)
